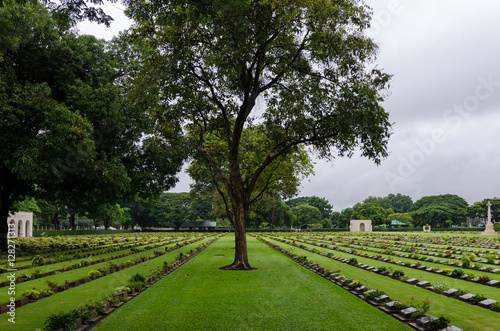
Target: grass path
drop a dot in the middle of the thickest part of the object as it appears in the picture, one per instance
(279, 295)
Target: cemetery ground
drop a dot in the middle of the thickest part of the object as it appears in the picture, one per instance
(280, 294)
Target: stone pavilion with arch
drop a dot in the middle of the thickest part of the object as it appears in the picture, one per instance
(23, 224)
(361, 226)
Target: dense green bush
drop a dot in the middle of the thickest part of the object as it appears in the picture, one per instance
(457, 273)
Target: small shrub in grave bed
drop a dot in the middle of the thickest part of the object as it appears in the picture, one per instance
(483, 279)
(422, 307)
(35, 273)
(402, 305)
(398, 273)
(138, 286)
(84, 262)
(122, 289)
(496, 307)
(447, 271)
(353, 261)
(440, 288)
(137, 281)
(32, 294)
(48, 293)
(465, 262)
(302, 259)
(457, 273)
(381, 269)
(180, 257)
(94, 273)
(63, 321)
(439, 323)
(477, 298)
(23, 276)
(491, 259)
(98, 306)
(370, 295)
(38, 260)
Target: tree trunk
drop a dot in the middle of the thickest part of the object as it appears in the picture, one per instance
(55, 220)
(10, 192)
(271, 221)
(72, 221)
(240, 254)
(4, 227)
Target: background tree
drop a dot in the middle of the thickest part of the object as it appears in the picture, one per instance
(345, 218)
(67, 128)
(306, 214)
(371, 211)
(322, 204)
(402, 217)
(107, 215)
(436, 210)
(480, 209)
(36, 129)
(209, 65)
(382, 202)
(334, 217)
(400, 203)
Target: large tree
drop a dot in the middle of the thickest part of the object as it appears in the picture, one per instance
(437, 209)
(300, 70)
(281, 180)
(66, 129)
(38, 131)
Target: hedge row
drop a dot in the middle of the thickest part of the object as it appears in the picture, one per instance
(49, 233)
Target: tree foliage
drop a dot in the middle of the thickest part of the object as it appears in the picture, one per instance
(67, 132)
(345, 217)
(398, 203)
(322, 204)
(299, 72)
(436, 210)
(371, 211)
(480, 209)
(306, 214)
(167, 208)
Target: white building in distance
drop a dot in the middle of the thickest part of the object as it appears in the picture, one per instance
(361, 226)
(20, 224)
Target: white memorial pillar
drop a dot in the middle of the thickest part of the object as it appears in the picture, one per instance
(489, 230)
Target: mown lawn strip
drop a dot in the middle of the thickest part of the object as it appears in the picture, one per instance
(279, 295)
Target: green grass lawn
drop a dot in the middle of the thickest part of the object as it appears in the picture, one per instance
(279, 295)
(463, 315)
(33, 316)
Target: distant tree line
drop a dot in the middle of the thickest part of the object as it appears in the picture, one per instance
(437, 211)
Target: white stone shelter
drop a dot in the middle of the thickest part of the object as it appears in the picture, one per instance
(361, 226)
(22, 224)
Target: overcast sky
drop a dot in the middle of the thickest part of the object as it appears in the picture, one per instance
(444, 102)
